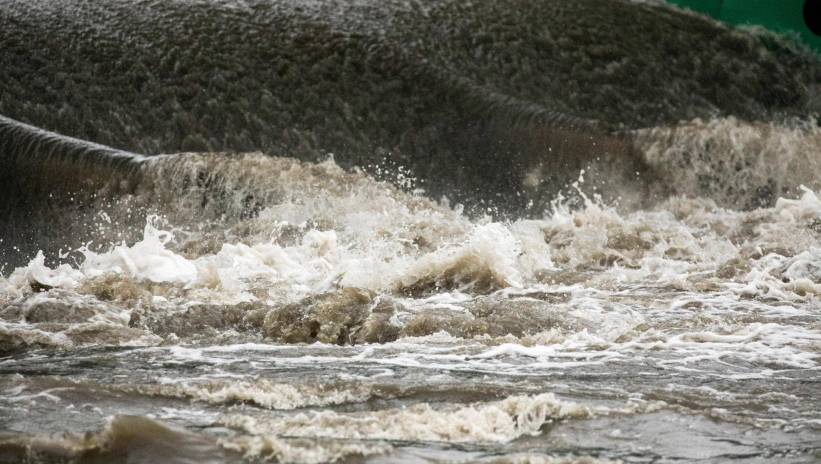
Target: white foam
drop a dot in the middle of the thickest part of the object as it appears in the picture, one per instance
(805, 208)
(676, 278)
(63, 276)
(148, 259)
(296, 451)
(499, 422)
(259, 392)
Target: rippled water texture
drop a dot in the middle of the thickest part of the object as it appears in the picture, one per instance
(349, 319)
(529, 247)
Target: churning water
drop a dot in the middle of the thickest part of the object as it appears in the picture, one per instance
(347, 318)
(641, 283)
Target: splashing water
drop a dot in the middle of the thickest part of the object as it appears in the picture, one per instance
(294, 311)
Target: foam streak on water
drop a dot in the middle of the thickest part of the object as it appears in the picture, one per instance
(288, 311)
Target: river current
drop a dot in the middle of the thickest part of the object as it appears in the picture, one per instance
(249, 308)
(401, 231)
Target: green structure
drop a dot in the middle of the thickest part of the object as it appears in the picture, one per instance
(783, 16)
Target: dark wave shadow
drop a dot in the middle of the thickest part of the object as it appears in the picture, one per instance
(472, 98)
(496, 105)
(52, 187)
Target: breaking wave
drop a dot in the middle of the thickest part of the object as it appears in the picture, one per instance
(534, 242)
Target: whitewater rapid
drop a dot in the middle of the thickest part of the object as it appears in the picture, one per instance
(390, 231)
(300, 312)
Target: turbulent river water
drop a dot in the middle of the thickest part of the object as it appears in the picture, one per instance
(553, 232)
(350, 319)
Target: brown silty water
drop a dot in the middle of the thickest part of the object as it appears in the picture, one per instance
(660, 304)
